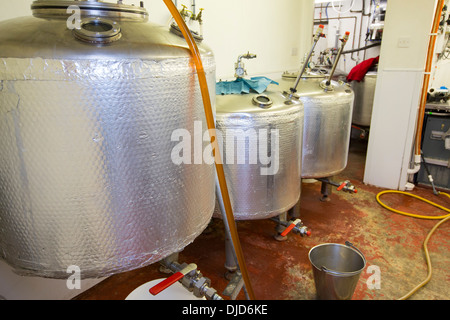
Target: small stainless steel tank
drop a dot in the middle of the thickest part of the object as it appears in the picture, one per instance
(364, 95)
(86, 118)
(255, 126)
(327, 123)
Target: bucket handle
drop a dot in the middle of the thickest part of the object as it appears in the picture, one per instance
(348, 243)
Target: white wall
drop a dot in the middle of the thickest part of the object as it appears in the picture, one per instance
(352, 21)
(399, 83)
(277, 31)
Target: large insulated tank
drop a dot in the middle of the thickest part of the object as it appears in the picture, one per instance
(86, 120)
(262, 137)
(327, 125)
(364, 95)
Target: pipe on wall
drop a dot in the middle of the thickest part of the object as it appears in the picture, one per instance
(426, 81)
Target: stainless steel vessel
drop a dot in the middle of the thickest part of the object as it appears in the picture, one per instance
(86, 119)
(262, 137)
(364, 95)
(327, 123)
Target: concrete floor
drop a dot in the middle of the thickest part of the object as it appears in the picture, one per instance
(282, 271)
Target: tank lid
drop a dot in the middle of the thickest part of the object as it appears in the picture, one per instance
(99, 8)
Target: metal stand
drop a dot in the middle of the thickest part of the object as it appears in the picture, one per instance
(236, 281)
(325, 189)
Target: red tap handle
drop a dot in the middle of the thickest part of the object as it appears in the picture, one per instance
(166, 283)
(342, 186)
(172, 279)
(288, 229)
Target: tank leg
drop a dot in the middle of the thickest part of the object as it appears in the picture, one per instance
(294, 212)
(325, 190)
(230, 262)
(280, 228)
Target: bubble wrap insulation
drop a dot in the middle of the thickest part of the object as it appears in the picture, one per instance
(86, 176)
(253, 195)
(326, 135)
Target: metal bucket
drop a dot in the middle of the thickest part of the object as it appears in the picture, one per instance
(336, 270)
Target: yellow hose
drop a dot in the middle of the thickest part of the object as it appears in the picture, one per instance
(417, 197)
(425, 243)
(427, 256)
(211, 126)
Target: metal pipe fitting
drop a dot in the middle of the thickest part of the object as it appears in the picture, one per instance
(191, 278)
(295, 226)
(317, 36)
(341, 48)
(239, 65)
(346, 185)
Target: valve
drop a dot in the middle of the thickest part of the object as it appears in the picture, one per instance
(172, 279)
(198, 17)
(298, 227)
(319, 33)
(347, 186)
(184, 12)
(190, 278)
(345, 37)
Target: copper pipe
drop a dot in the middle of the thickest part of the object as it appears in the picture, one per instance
(426, 81)
(211, 126)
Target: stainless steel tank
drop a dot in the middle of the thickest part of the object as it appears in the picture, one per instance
(262, 137)
(364, 95)
(327, 123)
(86, 118)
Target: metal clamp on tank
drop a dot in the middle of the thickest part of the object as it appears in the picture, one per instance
(189, 277)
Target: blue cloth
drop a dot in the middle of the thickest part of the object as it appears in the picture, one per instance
(241, 85)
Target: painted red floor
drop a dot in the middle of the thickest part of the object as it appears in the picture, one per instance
(391, 243)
